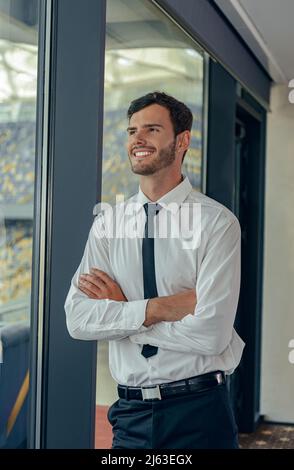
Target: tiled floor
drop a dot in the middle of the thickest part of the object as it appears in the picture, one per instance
(103, 434)
(268, 436)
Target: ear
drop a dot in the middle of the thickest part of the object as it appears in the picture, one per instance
(184, 139)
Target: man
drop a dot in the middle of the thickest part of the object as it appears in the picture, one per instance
(167, 306)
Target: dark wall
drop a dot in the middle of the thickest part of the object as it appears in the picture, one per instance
(221, 130)
(25, 11)
(75, 133)
(206, 23)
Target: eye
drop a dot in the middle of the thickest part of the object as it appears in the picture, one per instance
(131, 132)
(153, 129)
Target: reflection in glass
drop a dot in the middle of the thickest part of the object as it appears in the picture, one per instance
(18, 84)
(145, 51)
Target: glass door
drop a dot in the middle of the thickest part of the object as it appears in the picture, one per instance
(18, 90)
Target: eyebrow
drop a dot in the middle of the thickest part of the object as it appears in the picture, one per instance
(145, 125)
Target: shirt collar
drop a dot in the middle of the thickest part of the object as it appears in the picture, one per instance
(176, 196)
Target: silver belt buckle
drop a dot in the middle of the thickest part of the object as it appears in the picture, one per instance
(219, 378)
(151, 393)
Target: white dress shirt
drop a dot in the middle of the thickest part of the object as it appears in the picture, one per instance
(201, 342)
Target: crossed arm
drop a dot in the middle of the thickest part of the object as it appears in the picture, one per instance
(178, 322)
(99, 285)
(96, 307)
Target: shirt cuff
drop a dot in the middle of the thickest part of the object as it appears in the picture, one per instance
(135, 314)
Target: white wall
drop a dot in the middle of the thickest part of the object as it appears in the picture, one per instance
(277, 385)
(106, 387)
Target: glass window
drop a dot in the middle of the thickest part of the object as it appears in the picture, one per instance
(18, 85)
(145, 51)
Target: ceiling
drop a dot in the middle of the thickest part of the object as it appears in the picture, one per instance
(267, 28)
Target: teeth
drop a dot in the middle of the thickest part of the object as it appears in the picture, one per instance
(142, 154)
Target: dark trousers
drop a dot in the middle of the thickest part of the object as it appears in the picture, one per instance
(198, 420)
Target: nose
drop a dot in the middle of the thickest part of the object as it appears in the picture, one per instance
(140, 137)
(137, 140)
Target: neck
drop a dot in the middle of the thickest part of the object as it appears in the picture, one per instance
(155, 186)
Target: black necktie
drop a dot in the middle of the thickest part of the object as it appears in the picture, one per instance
(150, 289)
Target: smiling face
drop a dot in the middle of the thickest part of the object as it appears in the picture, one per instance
(151, 140)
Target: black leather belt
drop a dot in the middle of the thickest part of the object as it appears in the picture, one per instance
(198, 383)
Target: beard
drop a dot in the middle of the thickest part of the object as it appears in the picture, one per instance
(164, 158)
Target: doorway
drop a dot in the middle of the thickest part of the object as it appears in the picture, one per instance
(235, 177)
(248, 205)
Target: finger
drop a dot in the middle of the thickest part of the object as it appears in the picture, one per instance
(102, 275)
(101, 295)
(87, 292)
(89, 286)
(95, 283)
(95, 280)
(97, 275)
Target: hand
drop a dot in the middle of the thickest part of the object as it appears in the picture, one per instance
(98, 285)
